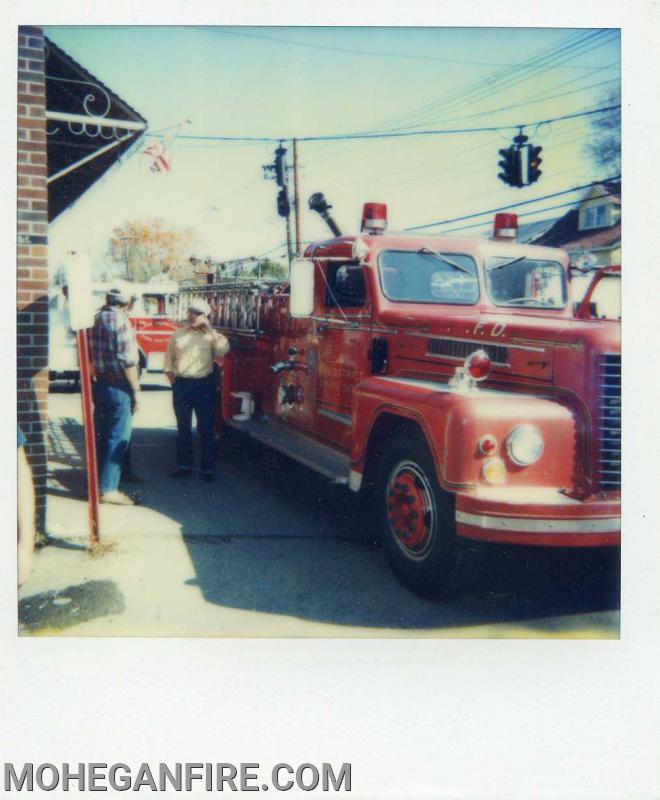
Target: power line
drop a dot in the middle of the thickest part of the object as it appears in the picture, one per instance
(351, 51)
(539, 99)
(506, 79)
(524, 214)
(512, 205)
(533, 64)
(451, 98)
(272, 250)
(469, 156)
(395, 134)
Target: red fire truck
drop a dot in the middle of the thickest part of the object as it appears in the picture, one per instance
(448, 379)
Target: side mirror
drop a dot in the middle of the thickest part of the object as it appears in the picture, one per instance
(302, 287)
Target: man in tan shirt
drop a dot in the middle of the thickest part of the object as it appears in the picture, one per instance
(189, 364)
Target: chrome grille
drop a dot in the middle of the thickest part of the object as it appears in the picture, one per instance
(608, 421)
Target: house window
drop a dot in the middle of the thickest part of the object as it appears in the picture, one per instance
(595, 217)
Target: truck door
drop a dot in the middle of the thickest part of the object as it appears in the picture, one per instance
(340, 355)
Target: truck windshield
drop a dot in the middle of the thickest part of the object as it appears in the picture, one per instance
(525, 282)
(424, 276)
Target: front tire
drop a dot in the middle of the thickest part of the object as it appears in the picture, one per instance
(416, 518)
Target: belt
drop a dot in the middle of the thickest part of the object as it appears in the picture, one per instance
(110, 377)
(206, 379)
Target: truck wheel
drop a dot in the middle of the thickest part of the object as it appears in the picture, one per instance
(416, 518)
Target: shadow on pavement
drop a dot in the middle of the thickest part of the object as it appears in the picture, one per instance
(287, 542)
(270, 536)
(70, 606)
(351, 584)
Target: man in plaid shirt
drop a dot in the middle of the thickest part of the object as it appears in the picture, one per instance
(116, 389)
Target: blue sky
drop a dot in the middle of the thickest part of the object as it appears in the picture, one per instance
(283, 82)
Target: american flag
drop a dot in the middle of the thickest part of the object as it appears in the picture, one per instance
(158, 152)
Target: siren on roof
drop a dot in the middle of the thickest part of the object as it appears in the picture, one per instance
(374, 218)
(506, 226)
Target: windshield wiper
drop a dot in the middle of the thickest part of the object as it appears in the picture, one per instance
(519, 301)
(507, 263)
(427, 251)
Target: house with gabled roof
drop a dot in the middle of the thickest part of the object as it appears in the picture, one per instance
(591, 229)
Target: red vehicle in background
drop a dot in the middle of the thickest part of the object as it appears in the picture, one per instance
(446, 379)
(150, 315)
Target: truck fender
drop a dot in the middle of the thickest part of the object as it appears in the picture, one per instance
(375, 430)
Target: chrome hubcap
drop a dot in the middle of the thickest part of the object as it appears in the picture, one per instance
(411, 510)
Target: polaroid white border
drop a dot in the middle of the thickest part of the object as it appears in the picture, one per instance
(417, 719)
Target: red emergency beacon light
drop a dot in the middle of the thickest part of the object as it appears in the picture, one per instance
(478, 365)
(506, 226)
(374, 218)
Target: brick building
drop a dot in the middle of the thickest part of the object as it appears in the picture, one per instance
(32, 254)
(65, 142)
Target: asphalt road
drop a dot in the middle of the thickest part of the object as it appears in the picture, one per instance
(271, 538)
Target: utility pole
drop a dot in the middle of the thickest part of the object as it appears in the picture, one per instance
(296, 196)
(288, 241)
(279, 171)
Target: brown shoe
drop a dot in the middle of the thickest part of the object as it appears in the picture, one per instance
(116, 498)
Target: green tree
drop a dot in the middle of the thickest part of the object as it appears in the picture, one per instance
(604, 147)
(267, 268)
(141, 249)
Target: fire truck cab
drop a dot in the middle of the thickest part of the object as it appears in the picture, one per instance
(447, 379)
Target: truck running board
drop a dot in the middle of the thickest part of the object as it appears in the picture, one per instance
(287, 440)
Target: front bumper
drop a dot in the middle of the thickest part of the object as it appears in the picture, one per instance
(542, 517)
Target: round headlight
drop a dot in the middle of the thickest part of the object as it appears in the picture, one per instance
(524, 445)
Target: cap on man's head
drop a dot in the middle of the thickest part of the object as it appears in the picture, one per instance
(119, 297)
(200, 307)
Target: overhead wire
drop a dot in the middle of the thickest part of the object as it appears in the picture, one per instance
(354, 51)
(504, 79)
(455, 164)
(507, 79)
(397, 134)
(447, 98)
(407, 179)
(339, 137)
(512, 205)
(332, 156)
(523, 214)
(425, 164)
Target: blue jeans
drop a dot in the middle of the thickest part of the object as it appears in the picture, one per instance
(190, 395)
(112, 422)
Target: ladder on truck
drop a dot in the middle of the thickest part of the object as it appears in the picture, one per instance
(234, 307)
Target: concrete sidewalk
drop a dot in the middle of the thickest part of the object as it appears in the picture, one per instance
(269, 549)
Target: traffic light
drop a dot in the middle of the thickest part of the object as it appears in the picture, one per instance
(283, 208)
(533, 163)
(280, 166)
(510, 166)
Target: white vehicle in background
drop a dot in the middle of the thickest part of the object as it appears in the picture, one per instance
(62, 348)
(151, 315)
